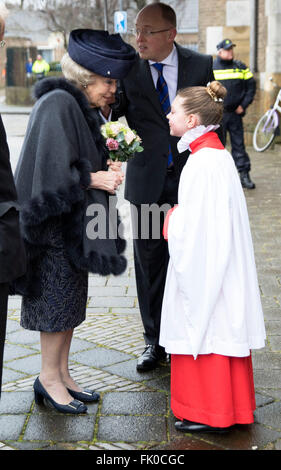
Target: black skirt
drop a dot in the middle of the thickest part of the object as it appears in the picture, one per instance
(64, 288)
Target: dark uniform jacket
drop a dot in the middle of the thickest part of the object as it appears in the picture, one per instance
(238, 80)
(12, 253)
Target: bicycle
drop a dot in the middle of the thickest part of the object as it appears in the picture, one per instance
(267, 127)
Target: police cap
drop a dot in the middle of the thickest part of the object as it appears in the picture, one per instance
(225, 44)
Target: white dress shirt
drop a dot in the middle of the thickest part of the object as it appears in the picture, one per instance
(170, 72)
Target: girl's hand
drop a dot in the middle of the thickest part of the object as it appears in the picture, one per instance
(166, 222)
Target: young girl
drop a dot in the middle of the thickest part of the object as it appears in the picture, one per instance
(212, 315)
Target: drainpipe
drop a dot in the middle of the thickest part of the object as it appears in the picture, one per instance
(105, 15)
(253, 35)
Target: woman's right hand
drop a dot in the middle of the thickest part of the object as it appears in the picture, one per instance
(106, 180)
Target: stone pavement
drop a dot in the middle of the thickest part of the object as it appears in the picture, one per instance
(134, 411)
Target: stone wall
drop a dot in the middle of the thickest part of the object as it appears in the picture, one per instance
(219, 19)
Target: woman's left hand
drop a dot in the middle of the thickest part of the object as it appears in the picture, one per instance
(106, 180)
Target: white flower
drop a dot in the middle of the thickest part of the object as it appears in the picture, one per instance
(129, 136)
(116, 127)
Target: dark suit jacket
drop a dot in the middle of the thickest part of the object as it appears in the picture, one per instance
(12, 254)
(139, 102)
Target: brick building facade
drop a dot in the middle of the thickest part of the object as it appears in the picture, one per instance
(254, 26)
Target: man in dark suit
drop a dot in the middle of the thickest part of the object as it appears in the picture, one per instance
(12, 255)
(151, 179)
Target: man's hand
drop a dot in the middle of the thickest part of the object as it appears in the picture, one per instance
(239, 110)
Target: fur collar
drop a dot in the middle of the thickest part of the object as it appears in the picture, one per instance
(52, 83)
(91, 114)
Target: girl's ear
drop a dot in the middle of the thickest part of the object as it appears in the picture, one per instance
(192, 121)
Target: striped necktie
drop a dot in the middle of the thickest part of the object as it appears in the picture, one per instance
(163, 94)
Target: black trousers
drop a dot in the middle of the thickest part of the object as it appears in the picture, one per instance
(233, 124)
(4, 292)
(151, 256)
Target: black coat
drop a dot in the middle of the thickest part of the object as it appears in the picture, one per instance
(63, 144)
(139, 102)
(12, 253)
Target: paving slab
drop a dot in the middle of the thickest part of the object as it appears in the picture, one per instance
(62, 428)
(134, 403)
(11, 426)
(100, 357)
(132, 428)
(16, 402)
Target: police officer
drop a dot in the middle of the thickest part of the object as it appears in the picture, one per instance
(241, 88)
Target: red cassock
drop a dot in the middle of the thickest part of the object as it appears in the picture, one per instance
(213, 389)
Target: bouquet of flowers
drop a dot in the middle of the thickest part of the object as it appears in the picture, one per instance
(121, 141)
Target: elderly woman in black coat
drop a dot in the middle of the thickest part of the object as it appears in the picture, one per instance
(61, 177)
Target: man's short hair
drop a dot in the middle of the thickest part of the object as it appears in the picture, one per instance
(168, 13)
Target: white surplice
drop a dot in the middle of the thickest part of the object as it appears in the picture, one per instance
(211, 302)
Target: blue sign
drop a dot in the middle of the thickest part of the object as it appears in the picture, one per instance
(120, 22)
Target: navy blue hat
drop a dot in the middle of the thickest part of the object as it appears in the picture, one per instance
(100, 52)
(225, 44)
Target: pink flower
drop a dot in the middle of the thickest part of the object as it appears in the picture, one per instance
(112, 144)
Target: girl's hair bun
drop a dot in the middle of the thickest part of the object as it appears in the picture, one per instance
(217, 91)
(206, 102)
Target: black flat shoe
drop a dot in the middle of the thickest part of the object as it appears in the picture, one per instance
(190, 426)
(151, 357)
(74, 407)
(86, 396)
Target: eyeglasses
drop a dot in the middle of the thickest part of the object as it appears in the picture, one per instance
(2, 43)
(147, 32)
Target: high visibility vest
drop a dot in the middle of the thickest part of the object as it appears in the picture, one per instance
(232, 74)
(40, 66)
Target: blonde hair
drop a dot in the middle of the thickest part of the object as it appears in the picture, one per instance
(75, 73)
(206, 102)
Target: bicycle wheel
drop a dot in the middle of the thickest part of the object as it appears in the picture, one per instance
(265, 131)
